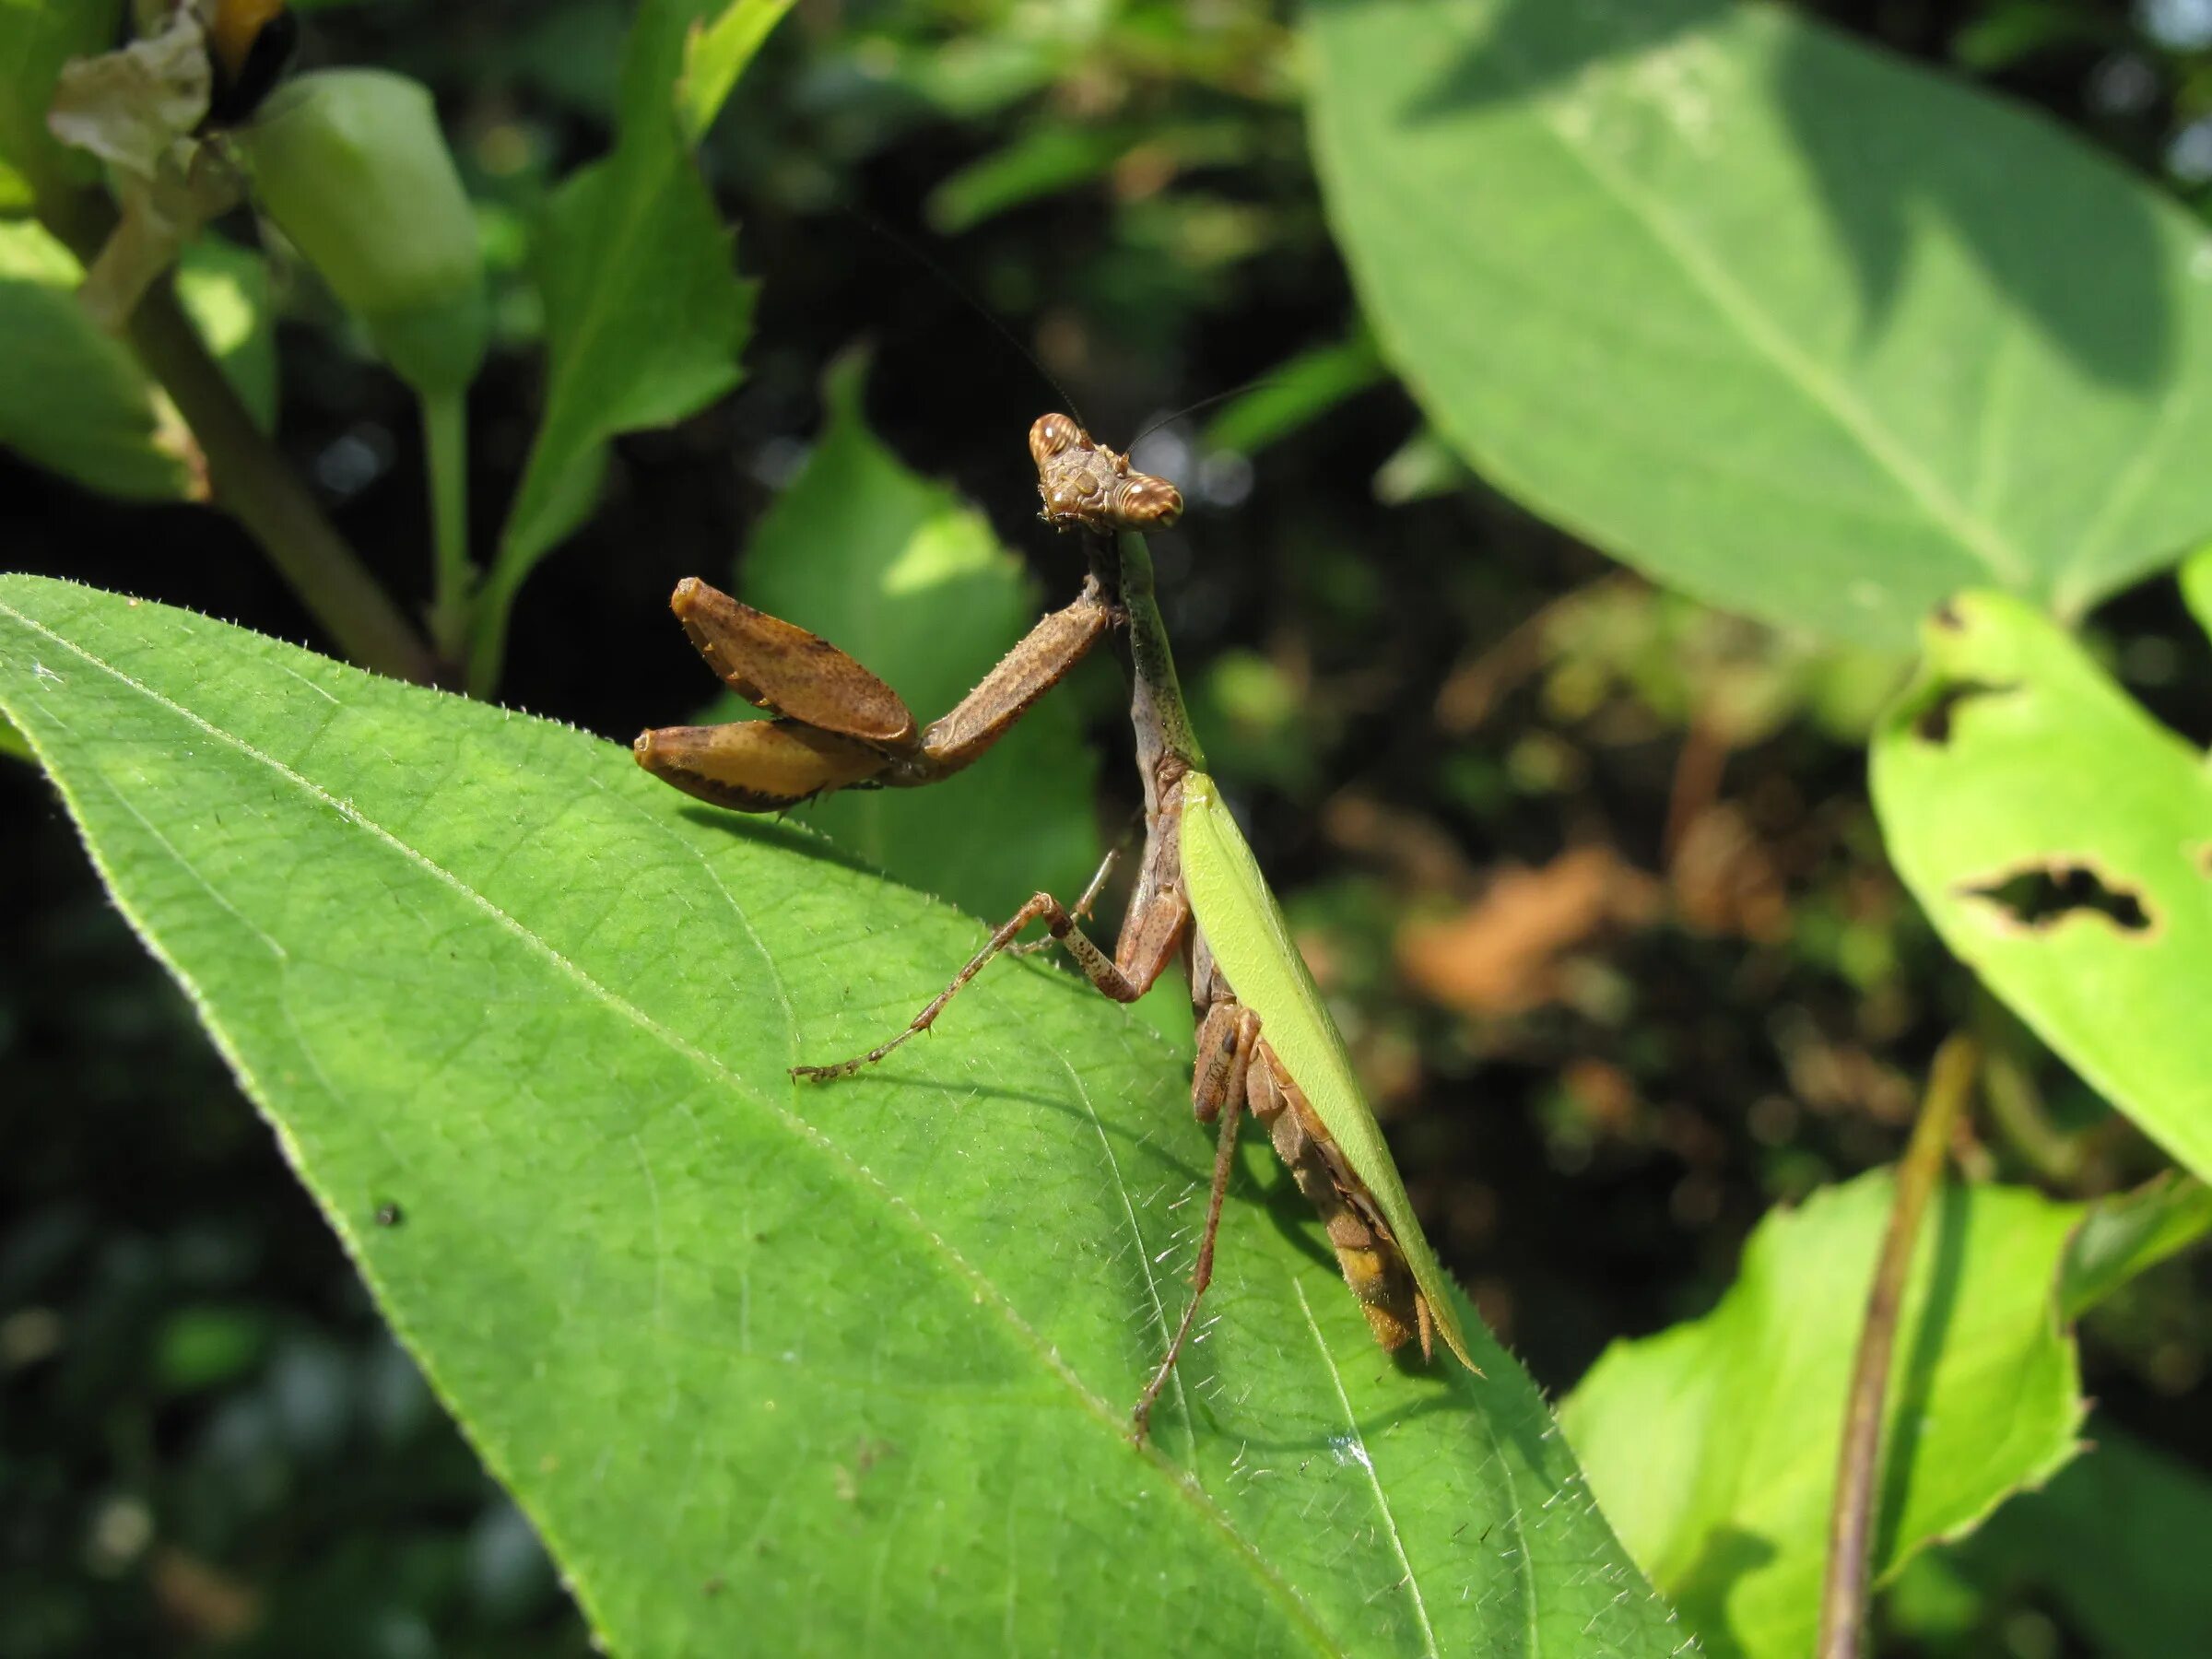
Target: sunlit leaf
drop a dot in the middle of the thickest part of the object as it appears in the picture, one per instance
(2061, 841)
(1712, 1445)
(779, 1367)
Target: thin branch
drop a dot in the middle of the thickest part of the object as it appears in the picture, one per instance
(251, 478)
(1858, 1467)
(445, 459)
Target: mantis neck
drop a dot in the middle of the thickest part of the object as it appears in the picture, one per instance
(1163, 724)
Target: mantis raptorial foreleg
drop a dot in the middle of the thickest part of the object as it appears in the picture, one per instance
(838, 726)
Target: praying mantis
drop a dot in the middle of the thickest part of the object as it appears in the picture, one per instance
(1265, 1041)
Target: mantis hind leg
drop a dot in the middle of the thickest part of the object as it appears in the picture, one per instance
(1080, 909)
(1226, 1043)
(1374, 1266)
(1097, 968)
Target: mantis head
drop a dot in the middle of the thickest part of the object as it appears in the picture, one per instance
(1087, 485)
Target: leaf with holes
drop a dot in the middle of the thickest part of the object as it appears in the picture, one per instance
(778, 1368)
(1805, 330)
(1712, 1446)
(2061, 841)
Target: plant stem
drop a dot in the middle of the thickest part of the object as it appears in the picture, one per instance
(445, 459)
(1858, 1466)
(251, 478)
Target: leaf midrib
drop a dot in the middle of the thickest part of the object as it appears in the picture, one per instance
(1180, 1482)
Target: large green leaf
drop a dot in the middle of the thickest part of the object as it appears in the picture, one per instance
(2061, 841)
(780, 1369)
(1778, 318)
(645, 315)
(896, 571)
(1712, 1446)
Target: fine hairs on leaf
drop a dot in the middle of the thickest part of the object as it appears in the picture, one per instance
(654, 1282)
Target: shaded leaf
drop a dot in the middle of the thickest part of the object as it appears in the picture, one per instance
(1776, 317)
(2061, 841)
(777, 1368)
(645, 315)
(897, 572)
(37, 37)
(2101, 1538)
(76, 400)
(224, 289)
(1045, 160)
(1294, 393)
(2125, 1235)
(1712, 1445)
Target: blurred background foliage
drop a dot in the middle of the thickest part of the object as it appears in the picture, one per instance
(1589, 869)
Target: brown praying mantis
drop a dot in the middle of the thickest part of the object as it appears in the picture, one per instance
(1265, 1041)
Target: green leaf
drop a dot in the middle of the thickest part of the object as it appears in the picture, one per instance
(2061, 841)
(1294, 393)
(1712, 1445)
(1047, 158)
(224, 289)
(203, 1346)
(895, 571)
(777, 1368)
(2103, 1539)
(717, 53)
(37, 37)
(2196, 587)
(1803, 329)
(76, 400)
(2127, 1234)
(645, 315)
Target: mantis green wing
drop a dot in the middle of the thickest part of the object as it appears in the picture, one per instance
(1251, 945)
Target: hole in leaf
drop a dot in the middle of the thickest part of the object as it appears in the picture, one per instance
(2044, 898)
(1932, 724)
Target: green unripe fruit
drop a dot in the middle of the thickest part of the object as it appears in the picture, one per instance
(350, 165)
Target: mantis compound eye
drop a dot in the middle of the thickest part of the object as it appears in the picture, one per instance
(1145, 502)
(1054, 435)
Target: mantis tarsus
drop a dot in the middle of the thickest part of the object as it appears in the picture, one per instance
(1264, 1039)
